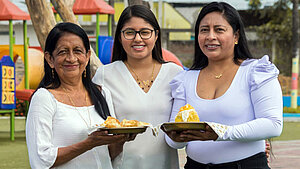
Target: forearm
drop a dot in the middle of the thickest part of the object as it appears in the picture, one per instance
(68, 153)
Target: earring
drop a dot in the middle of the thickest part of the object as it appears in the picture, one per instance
(84, 73)
(52, 71)
(236, 42)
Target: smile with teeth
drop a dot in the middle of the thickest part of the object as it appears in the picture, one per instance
(138, 47)
(212, 46)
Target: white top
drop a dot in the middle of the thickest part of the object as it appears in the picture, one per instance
(251, 107)
(131, 102)
(51, 124)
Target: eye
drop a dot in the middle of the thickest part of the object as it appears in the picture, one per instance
(78, 51)
(129, 32)
(203, 30)
(220, 29)
(62, 52)
(145, 32)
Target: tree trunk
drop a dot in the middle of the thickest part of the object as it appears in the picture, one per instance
(135, 2)
(42, 19)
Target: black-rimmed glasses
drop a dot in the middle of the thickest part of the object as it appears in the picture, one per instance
(130, 34)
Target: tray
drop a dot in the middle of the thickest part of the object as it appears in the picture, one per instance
(179, 126)
(125, 130)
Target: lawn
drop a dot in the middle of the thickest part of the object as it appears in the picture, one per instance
(13, 154)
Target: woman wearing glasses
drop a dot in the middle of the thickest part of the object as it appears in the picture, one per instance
(139, 80)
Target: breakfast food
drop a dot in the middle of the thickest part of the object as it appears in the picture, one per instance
(187, 114)
(112, 122)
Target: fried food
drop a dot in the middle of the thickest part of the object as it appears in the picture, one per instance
(112, 122)
(187, 114)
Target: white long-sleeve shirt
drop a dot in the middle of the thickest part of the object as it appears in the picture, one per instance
(51, 124)
(251, 107)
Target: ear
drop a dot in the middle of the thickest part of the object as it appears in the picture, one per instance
(156, 34)
(236, 36)
(49, 59)
(88, 57)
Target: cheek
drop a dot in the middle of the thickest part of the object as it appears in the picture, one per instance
(201, 42)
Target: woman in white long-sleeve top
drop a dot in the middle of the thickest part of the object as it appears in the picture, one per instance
(65, 107)
(240, 97)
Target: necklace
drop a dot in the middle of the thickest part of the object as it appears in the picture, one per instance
(144, 83)
(86, 102)
(218, 76)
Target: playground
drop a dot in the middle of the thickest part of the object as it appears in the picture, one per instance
(21, 69)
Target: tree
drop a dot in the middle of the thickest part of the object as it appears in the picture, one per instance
(279, 28)
(43, 21)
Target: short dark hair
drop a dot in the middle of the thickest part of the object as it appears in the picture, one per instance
(241, 50)
(145, 13)
(52, 82)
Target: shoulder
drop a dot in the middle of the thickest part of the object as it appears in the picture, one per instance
(171, 69)
(260, 71)
(105, 72)
(42, 94)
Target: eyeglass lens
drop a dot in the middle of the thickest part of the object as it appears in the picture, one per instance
(131, 33)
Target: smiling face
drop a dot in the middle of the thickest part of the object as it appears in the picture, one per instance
(69, 58)
(216, 37)
(138, 48)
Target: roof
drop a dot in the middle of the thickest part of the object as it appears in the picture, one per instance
(237, 4)
(84, 7)
(9, 11)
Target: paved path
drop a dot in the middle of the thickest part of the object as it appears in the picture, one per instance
(286, 155)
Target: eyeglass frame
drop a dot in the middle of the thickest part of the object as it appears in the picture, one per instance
(139, 32)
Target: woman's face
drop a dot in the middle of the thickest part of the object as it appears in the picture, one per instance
(138, 47)
(69, 57)
(216, 38)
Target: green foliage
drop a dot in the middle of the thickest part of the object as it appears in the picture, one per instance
(278, 29)
(291, 110)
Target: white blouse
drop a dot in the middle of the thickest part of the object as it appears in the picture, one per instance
(131, 102)
(51, 124)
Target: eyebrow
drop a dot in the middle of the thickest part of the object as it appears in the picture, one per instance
(214, 26)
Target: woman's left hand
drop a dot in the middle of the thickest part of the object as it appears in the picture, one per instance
(203, 135)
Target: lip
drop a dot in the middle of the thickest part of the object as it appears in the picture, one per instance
(212, 46)
(71, 66)
(138, 47)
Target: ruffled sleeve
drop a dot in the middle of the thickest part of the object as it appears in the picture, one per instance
(262, 72)
(177, 86)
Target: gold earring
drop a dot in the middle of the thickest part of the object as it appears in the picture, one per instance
(84, 73)
(52, 73)
(236, 42)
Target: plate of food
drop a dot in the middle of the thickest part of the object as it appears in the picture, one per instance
(125, 130)
(114, 126)
(186, 119)
(180, 126)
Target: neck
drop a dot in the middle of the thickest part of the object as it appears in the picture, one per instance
(140, 63)
(73, 86)
(220, 66)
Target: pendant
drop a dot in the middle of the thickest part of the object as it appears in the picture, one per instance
(146, 82)
(219, 76)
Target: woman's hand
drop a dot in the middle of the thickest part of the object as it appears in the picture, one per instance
(116, 148)
(99, 138)
(193, 135)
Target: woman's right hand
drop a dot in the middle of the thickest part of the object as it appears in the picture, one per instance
(175, 136)
(99, 138)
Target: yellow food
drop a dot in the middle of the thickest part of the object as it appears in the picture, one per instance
(187, 114)
(112, 122)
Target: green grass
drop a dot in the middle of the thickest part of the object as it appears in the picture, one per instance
(14, 155)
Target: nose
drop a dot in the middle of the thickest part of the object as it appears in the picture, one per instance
(137, 37)
(211, 35)
(71, 57)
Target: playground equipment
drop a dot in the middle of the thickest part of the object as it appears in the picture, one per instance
(35, 65)
(10, 12)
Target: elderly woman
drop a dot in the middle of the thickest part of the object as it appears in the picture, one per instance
(66, 105)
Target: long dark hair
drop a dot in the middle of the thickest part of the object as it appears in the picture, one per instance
(241, 50)
(53, 82)
(145, 13)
